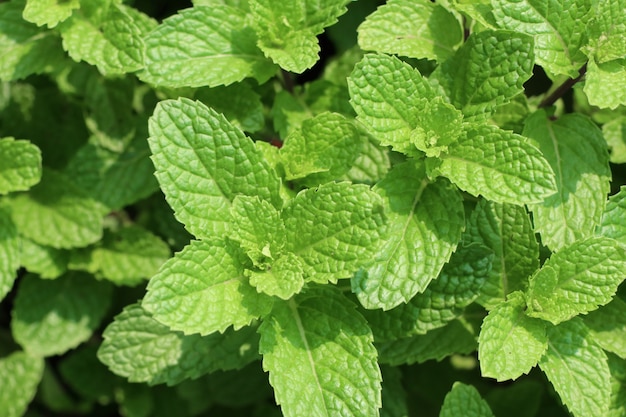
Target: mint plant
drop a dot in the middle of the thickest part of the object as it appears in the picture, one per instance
(325, 208)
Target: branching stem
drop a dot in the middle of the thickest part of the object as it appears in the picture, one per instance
(563, 88)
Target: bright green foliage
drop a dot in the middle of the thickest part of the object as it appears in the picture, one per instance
(486, 72)
(577, 369)
(436, 344)
(505, 229)
(607, 327)
(324, 148)
(56, 213)
(107, 35)
(557, 26)
(203, 289)
(499, 165)
(141, 349)
(202, 162)
(49, 12)
(52, 316)
(20, 374)
(464, 400)
(577, 153)
(284, 278)
(604, 83)
(287, 31)
(129, 255)
(614, 132)
(46, 261)
(9, 252)
(510, 342)
(26, 49)
(20, 163)
(204, 46)
(457, 286)
(612, 225)
(425, 221)
(335, 229)
(438, 125)
(309, 344)
(577, 279)
(413, 29)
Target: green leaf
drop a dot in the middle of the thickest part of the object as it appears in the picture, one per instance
(202, 162)
(612, 224)
(107, 35)
(51, 317)
(607, 32)
(559, 29)
(20, 163)
(486, 72)
(371, 165)
(283, 278)
(49, 12)
(617, 405)
(439, 125)
(141, 349)
(129, 255)
(614, 131)
(510, 343)
(576, 280)
(577, 369)
(457, 286)
(9, 253)
(604, 82)
(394, 394)
(334, 229)
(99, 384)
(204, 46)
(412, 29)
(499, 165)
(26, 49)
(607, 326)
(20, 374)
(576, 151)
(288, 31)
(323, 149)
(203, 289)
(425, 223)
(239, 102)
(437, 344)
(507, 230)
(56, 213)
(311, 342)
(45, 261)
(464, 400)
(388, 96)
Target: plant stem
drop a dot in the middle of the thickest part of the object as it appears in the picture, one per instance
(562, 89)
(288, 80)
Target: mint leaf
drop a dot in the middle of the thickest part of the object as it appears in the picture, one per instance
(457, 286)
(576, 280)
(612, 224)
(283, 278)
(510, 343)
(388, 95)
(129, 255)
(20, 374)
(97, 384)
(20, 163)
(607, 32)
(499, 165)
(559, 30)
(576, 151)
(56, 213)
(141, 349)
(107, 35)
(607, 326)
(9, 253)
(203, 289)
(394, 395)
(617, 404)
(334, 229)
(577, 369)
(324, 148)
(49, 12)
(603, 83)
(507, 230)
(412, 29)
(45, 261)
(464, 400)
(239, 102)
(26, 48)
(438, 125)
(437, 344)
(202, 162)
(614, 132)
(371, 165)
(287, 31)
(51, 317)
(486, 72)
(425, 223)
(309, 343)
(204, 46)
